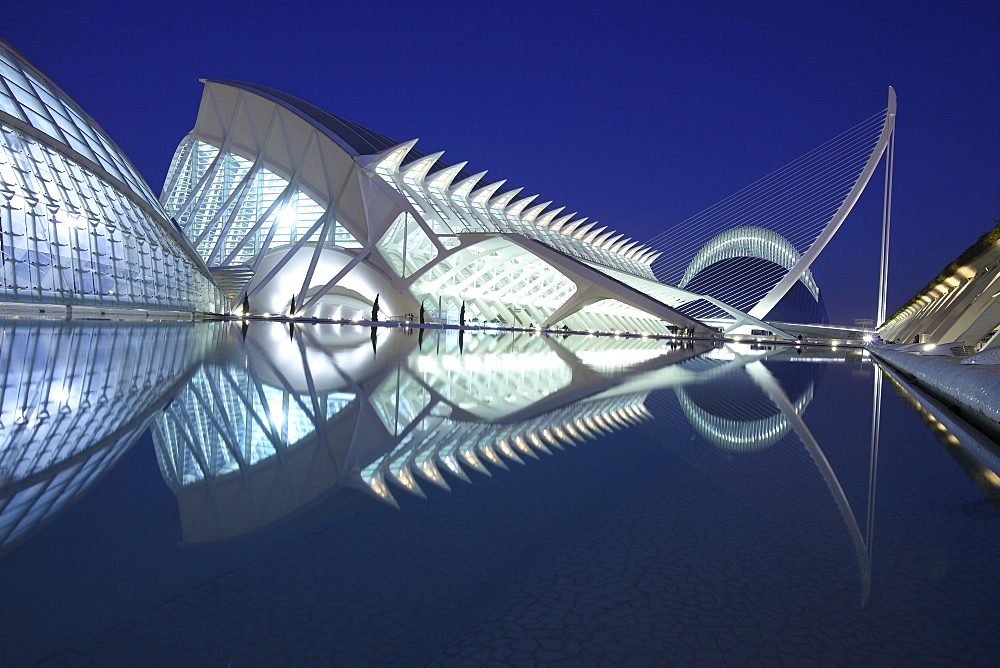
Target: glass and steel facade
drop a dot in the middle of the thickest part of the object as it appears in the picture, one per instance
(78, 225)
(298, 211)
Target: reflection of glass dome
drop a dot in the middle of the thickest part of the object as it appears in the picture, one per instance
(736, 415)
(85, 392)
(740, 435)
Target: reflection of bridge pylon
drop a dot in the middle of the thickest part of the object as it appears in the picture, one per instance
(742, 430)
(767, 382)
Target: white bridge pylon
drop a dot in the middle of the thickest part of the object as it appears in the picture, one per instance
(797, 208)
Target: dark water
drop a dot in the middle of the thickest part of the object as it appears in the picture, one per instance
(181, 494)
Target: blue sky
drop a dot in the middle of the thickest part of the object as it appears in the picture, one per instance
(639, 114)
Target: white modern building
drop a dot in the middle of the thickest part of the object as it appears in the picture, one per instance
(298, 211)
(959, 307)
(78, 225)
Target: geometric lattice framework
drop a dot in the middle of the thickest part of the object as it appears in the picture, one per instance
(78, 225)
(301, 210)
(786, 218)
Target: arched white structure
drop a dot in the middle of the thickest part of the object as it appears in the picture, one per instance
(266, 186)
(804, 203)
(741, 242)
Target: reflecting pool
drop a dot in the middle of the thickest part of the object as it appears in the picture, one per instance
(272, 493)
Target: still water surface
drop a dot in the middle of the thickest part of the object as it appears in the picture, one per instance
(210, 493)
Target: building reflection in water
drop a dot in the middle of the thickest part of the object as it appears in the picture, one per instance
(73, 399)
(276, 420)
(273, 424)
(281, 421)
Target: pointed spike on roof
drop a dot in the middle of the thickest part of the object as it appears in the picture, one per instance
(530, 214)
(501, 201)
(589, 238)
(416, 170)
(548, 216)
(643, 253)
(572, 431)
(596, 423)
(465, 186)
(580, 231)
(643, 250)
(569, 228)
(635, 252)
(653, 257)
(611, 245)
(443, 177)
(625, 249)
(559, 222)
(596, 236)
(616, 246)
(587, 428)
(517, 207)
(483, 194)
(387, 160)
(604, 240)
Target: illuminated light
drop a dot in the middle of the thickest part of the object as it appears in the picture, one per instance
(286, 216)
(737, 338)
(59, 394)
(868, 338)
(378, 486)
(487, 452)
(452, 465)
(929, 346)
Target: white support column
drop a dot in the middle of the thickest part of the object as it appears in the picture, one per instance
(886, 215)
